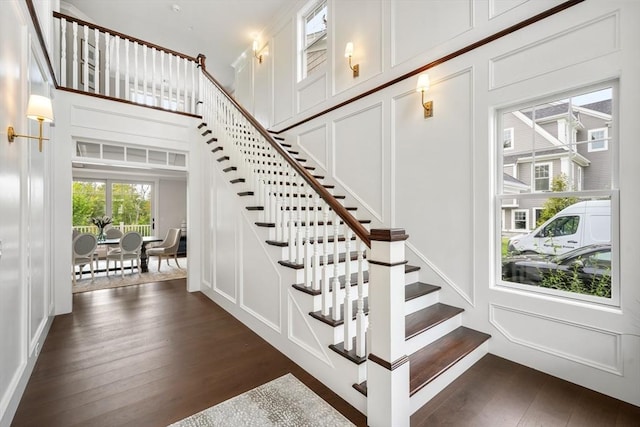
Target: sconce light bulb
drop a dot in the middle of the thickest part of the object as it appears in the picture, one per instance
(423, 83)
(348, 50)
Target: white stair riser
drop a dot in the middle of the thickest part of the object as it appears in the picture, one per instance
(429, 336)
(437, 385)
(421, 302)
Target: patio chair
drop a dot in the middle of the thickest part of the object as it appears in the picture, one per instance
(167, 248)
(130, 248)
(84, 246)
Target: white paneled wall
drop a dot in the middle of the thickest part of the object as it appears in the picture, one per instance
(435, 178)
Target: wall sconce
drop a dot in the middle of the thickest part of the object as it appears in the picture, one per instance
(39, 108)
(255, 51)
(348, 53)
(423, 86)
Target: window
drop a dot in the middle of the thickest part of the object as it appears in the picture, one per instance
(520, 220)
(598, 139)
(572, 197)
(314, 38)
(507, 142)
(542, 177)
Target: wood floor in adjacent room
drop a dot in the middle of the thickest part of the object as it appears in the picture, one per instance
(149, 355)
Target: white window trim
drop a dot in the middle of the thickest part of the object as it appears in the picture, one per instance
(510, 130)
(590, 148)
(533, 176)
(526, 220)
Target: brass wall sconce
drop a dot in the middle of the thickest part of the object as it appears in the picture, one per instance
(39, 108)
(256, 49)
(422, 87)
(348, 53)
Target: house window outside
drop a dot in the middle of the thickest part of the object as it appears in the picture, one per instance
(520, 220)
(575, 196)
(313, 39)
(542, 177)
(507, 143)
(598, 139)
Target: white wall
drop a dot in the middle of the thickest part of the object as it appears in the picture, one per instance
(435, 177)
(25, 211)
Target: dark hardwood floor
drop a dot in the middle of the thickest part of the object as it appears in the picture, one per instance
(149, 355)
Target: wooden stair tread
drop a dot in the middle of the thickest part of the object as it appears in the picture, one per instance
(341, 258)
(351, 354)
(418, 289)
(361, 221)
(341, 238)
(427, 318)
(362, 387)
(428, 363)
(328, 319)
(354, 282)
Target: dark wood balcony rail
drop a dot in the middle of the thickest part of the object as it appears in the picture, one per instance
(335, 205)
(122, 36)
(543, 15)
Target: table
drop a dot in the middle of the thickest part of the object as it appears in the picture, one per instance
(143, 250)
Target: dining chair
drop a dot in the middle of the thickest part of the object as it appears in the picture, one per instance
(102, 250)
(167, 248)
(84, 246)
(129, 249)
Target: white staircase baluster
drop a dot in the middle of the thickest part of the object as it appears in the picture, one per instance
(326, 293)
(170, 83)
(117, 74)
(96, 69)
(184, 86)
(279, 190)
(360, 317)
(107, 64)
(154, 78)
(177, 84)
(85, 60)
(75, 56)
(136, 81)
(127, 65)
(316, 243)
(348, 311)
(63, 52)
(307, 238)
(162, 74)
(300, 230)
(336, 271)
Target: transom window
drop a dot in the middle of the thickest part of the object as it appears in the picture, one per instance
(567, 182)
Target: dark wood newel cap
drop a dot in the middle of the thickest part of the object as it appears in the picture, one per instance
(389, 234)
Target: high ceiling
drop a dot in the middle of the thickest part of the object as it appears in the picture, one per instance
(220, 29)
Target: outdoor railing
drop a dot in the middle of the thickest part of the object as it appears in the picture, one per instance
(144, 230)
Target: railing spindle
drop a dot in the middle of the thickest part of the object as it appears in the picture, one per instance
(107, 64)
(96, 69)
(63, 52)
(360, 316)
(348, 311)
(336, 272)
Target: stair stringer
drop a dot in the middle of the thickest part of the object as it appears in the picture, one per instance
(331, 369)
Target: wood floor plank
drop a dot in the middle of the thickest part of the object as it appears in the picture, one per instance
(149, 355)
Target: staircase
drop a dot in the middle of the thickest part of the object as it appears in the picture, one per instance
(439, 347)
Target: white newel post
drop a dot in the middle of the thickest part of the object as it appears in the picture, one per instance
(387, 364)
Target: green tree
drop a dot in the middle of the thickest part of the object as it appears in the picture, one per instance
(553, 205)
(88, 201)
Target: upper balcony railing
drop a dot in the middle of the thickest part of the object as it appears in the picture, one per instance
(90, 58)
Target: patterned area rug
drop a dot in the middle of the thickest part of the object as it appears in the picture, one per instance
(115, 280)
(284, 401)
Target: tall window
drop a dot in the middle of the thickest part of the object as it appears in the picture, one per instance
(571, 192)
(314, 38)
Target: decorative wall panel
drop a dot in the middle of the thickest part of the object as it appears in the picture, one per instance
(573, 46)
(283, 72)
(312, 92)
(583, 344)
(434, 177)
(358, 157)
(227, 234)
(314, 143)
(420, 25)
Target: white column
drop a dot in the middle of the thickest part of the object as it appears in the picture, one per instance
(387, 364)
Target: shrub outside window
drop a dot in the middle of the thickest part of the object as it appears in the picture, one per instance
(570, 193)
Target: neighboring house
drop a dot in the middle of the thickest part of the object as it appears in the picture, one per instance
(575, 146)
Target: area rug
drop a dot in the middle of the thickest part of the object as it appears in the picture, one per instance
(115, 280)
(282, 402)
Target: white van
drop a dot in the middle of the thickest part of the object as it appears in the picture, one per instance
(578, 225)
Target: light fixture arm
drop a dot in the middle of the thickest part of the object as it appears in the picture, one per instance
(355, 68)
(12, 135)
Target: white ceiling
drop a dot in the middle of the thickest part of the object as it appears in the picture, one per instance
(220, 29)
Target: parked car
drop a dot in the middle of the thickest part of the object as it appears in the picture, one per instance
(585, 270)
(578, 225)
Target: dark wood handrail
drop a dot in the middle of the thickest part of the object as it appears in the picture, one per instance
(342, 212)
(122, 36)
(547, 13)
(36, 24)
